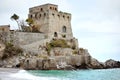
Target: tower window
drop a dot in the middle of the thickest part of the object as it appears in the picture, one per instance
(56, 9)
(68, 17)
(63, 16)
(55, 34)
(36, 15)
(30, 16)
(64, 29)
(59, 16)
(41, 9)
(40, 15)
(50, 7)
(53, 14)
(44, 14)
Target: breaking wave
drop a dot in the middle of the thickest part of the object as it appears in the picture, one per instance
(24, 75)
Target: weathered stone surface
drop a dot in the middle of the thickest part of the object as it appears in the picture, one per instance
(39, 64)
(77, 60)
(95, 64)
(52, 64)
(29, 64)
(2, 47)
(112, 64)
(61, 51)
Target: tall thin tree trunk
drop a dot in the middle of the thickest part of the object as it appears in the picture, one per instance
(18, 24)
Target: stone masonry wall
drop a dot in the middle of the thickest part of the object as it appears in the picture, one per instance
(27, 38)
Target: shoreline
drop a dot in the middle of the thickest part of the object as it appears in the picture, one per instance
(9, 69)
(18, 74)
(6, 72)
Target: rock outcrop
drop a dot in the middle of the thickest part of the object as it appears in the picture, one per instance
(58, 59)
(95, 64)
(112, 64)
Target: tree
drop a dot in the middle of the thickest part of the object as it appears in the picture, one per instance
(16, 18)
(22, 23)
(30, 21)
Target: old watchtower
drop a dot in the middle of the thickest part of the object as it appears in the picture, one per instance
(52, 22)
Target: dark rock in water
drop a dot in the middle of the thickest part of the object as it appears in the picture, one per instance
(112, 64)
(82, 66)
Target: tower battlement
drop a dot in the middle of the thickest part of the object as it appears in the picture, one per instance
(45, 7)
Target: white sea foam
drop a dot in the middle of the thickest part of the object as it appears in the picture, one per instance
(24, 75)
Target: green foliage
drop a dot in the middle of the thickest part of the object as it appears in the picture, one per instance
(73, 46)
(59, 43)
(11, 50)
(81, 49)
(64, 36)
(27, 29)
(35, 29)
(48, 48)
(15, 17)
(75, 52)
(56, 43)
(29, 21)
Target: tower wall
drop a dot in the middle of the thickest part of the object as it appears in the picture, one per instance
(52, 22)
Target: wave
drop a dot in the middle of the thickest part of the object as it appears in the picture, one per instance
(24, 75)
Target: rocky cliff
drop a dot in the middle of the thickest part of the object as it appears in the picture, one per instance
(59, 58)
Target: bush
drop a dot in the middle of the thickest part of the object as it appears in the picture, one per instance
(11, 50)
(81, 49)
(59, 43)
(75, 52)
(56, 43)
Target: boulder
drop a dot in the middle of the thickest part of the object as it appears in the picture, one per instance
(112, 64)
(95, 64)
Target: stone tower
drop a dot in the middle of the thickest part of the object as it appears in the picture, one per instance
(52, 22)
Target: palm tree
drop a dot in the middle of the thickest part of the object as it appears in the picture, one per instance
(16, 18)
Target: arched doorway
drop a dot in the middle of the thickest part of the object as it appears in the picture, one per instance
(64, 29)
(55, 34)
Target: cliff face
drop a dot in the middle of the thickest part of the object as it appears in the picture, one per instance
(55, 55)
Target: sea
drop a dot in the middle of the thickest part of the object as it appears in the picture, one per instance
(97, 74)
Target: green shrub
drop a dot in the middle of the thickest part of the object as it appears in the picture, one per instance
(75, 52)
(81, 49)
(56, 43)
(59, 43)
(64, 36)
(11, 50)
(48, 48)
(73, 46)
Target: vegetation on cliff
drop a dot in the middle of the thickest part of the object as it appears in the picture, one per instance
(56, 43)
(11, 50)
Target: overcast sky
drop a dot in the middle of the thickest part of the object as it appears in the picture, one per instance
(96, 23)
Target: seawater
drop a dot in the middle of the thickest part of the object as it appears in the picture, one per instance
(98, 74)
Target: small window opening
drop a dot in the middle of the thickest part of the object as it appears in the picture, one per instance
(53, 14)
(64, 29)
(55, 34)
(41, 9)
(44, 14)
